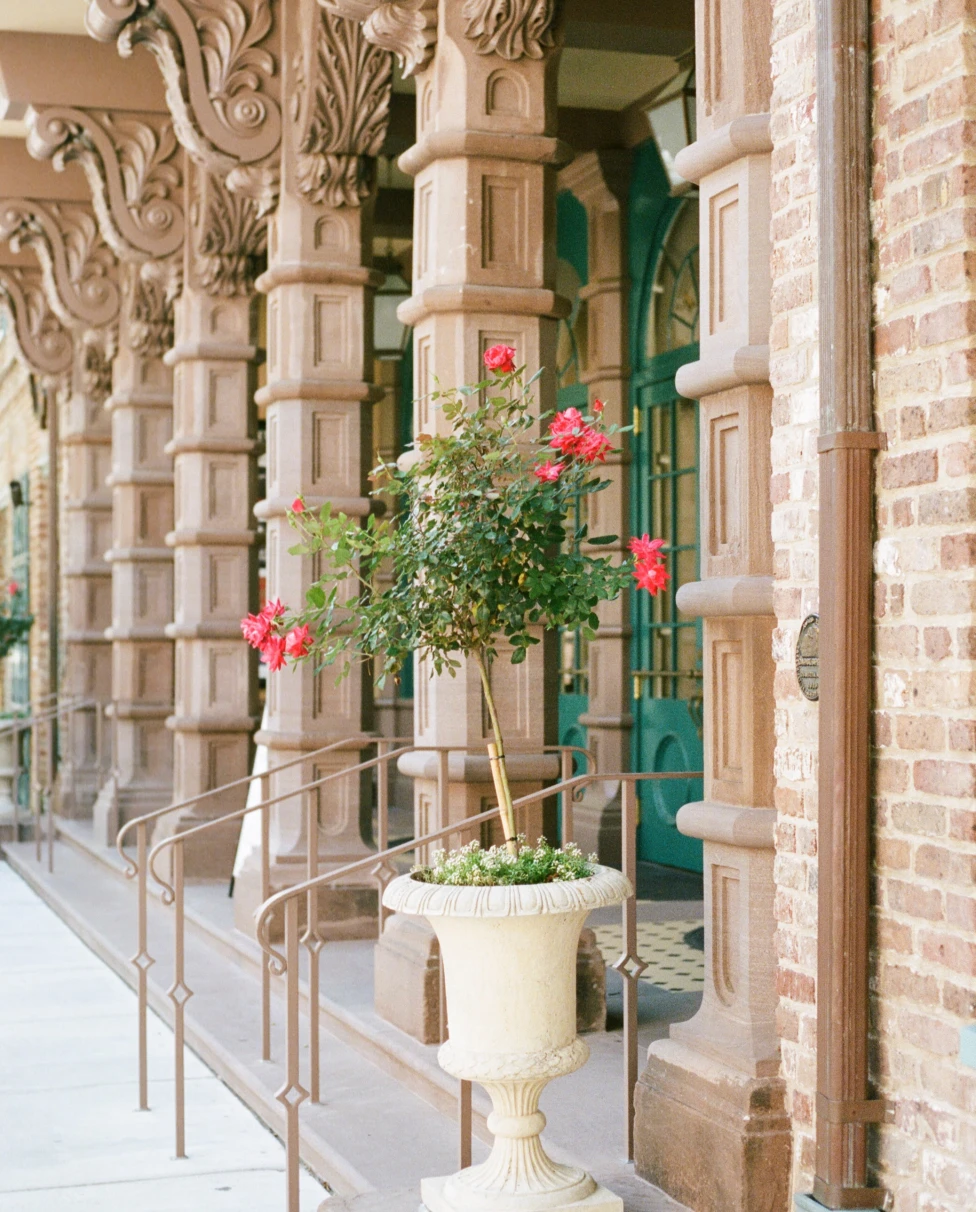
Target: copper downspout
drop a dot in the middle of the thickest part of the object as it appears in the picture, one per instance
(846, 446)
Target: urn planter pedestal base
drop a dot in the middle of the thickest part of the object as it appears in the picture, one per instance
(510, 971)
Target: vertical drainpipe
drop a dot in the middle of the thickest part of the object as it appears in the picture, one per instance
(845, 1107)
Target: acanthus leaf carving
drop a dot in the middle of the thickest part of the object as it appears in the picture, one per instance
(408, 28)
(340, 107)
(229, 236)
(96, 370)
(511, 29)
(133, 170)
(77, 267)
(150, 291)
(222, 81)
(44, 343)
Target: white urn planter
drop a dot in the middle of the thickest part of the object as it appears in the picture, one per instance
(509, 956)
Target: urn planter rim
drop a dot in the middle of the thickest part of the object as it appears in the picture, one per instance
(606, 886)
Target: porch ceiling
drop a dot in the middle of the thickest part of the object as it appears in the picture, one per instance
(21, 176)
(46, 17)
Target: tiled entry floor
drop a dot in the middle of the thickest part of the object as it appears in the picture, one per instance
(71, 1135)
(672, 963)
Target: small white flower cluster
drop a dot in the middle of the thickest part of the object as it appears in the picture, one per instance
(470, 865)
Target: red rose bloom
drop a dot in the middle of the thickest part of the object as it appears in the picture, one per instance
(651, 577)
(256, 629)
(298, 641)
(500, 359)
(646, 548)
(298, 505)
(592, 446)
(273, 652)
(273, 610)
(548, 472)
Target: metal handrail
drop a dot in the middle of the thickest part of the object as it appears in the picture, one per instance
(629, 965)
(173, 893)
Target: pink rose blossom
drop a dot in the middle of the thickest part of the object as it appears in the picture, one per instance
(273, 652)
(598, 406)
(298, 641)
(548, 472)
(646, 548)
(256, 629)
(500, 359)
(298, 505)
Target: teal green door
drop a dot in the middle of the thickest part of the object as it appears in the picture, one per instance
(666, 663)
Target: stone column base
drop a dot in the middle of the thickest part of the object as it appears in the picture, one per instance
(345, 912)
(806, 1203)
(596, 823)
(710, 1136)
(115, 807)
(406, 979)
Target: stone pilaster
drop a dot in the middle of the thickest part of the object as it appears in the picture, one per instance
(711, 1126)
(85, 441)
(319, 398)
(213, 541)
(600, 181)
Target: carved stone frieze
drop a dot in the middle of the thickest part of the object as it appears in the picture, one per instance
(78, 268)
(340, 106)
(408, 28)
(134, 170)
(229, 236)
(219, 63)
(44, 343)
(96, 370)
(511, 29)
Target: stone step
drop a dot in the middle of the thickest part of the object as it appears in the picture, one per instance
(370, 1133)
(584, 1110)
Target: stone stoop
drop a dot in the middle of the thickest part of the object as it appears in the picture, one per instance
(387, 1081)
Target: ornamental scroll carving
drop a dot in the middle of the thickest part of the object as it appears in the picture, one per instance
(511, 29)
(222, 79)
(149, 292)
(133, 167)
(408, 28)
(340, 107)
(229, 236)
(77, 267)
(45, 345)
(96, 371)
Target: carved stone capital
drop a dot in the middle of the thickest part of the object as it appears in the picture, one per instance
(134, 168)
(95, 365)
(228, 236)
(44, 343)
(149, 291)
(408, 28)
(511, 29)
(340, 105)
(78, 270)
(219, 63)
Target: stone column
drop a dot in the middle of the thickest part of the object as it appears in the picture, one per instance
(319, 398)
(215, 570)
(712, 1128)
(85, 440)
(141, 408)
(141, 217)
(600, 180)
(484, 272)
(80, 282)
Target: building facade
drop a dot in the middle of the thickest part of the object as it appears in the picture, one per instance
(235, 266)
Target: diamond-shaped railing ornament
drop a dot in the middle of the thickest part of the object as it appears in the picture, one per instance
(313, 943)
(630, 967)
(292, 1096)
(180, 993)
(143, 961)
(384, 872)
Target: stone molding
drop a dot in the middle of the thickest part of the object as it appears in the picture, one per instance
(726, 596)
(78, 270)
(43, 341)
(340, 105)
(604, 887)
(747, 135)
(739, 367)
(133, 167)
(222, 79)
(511, 29)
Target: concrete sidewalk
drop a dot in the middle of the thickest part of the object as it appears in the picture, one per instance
(70, 1136)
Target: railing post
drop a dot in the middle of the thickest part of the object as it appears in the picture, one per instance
(143, 962)
(291, 1095)
(179, 994)
(52, 735)
(443, 791)
(16, 796)
(630, 966)
(313, 943)
(265, 785)
(565, 773)
(464, 1124)
(382, 823)
(100, 740)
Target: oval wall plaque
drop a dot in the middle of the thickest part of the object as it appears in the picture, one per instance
(808, 657)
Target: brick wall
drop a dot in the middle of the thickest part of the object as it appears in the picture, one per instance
(924, 978)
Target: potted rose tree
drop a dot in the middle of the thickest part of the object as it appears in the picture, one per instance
(481, 546)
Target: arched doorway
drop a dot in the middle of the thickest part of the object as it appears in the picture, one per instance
(666, 650)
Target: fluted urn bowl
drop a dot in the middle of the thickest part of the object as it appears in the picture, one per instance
(509, 956)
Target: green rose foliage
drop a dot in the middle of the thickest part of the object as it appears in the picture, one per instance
(477, 547)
